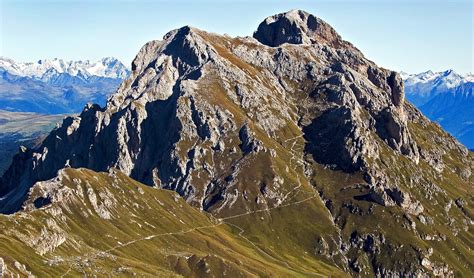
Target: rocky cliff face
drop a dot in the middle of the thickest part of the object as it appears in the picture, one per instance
(238, 125)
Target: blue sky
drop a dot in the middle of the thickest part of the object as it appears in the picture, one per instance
(413, 36)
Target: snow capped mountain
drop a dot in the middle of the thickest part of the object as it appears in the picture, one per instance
(448, 79)
(55, 86)
(446, 97)
(422, 87)
(420, 77)
(49, 69)
(469, 77)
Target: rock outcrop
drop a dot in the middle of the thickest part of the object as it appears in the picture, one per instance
(296, 27)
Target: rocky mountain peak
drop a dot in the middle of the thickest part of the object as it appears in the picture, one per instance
(161, 65)
(295, 27)
(193, 90)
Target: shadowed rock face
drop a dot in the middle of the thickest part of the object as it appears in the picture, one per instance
(236, 125)
(335, 139)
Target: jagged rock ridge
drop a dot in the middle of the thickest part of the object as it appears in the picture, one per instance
(241, 124)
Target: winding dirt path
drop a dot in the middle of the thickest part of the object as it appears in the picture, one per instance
(221, 221)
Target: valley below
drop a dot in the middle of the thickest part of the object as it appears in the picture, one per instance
(22, 129)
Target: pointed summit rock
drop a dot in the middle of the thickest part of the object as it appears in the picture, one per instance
(295, 27)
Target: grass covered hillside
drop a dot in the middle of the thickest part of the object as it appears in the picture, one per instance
(88, 223)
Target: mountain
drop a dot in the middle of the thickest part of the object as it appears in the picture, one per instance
(303, 152)
(447, 98)
(57, 86)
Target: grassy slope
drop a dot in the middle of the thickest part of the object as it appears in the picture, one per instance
(151, 232)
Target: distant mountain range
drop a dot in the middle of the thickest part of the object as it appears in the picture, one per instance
(447, 98)
(55, 86)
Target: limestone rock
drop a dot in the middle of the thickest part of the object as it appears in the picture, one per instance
(405, 201)
(295, 27)
(3, 267)
(249, 142)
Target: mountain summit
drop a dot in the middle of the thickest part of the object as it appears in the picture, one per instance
(295, 27)
(291, 138)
